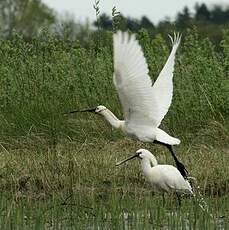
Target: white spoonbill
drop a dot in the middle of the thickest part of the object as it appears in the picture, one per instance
(144, 105)
(163, 178)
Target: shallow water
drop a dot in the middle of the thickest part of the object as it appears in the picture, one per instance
(111, 210)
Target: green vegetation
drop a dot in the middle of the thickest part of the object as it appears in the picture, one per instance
(29, 17)
(46, 156)
(46, 77)
(209, 21)
(24, 16)
(111, 210)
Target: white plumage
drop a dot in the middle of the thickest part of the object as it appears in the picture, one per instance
(144, 106)
(163, 178)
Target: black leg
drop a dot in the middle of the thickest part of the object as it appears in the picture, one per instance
(179, 165)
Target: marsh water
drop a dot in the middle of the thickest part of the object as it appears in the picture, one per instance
(111, 210)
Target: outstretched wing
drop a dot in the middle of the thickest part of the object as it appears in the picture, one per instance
(132, 81)
(141, 105)
(163, 86)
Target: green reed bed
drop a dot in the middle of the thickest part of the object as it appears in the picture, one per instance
(86, 211)
(43, 78)
(58, 171)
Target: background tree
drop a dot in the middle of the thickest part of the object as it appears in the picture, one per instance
(146, 23)
(104, 21)
(27, 17)
(202, 13)
(183, 19)
(219, 16)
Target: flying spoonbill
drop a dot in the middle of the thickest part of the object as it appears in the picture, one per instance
(144, 105)
(163, 178)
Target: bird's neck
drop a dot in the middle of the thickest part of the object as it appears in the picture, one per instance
(147, 165)
(112, 119)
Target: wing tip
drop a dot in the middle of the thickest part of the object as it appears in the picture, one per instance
(175, 39)
(123, 36)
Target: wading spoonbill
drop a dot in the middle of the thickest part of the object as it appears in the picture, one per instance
(144, 105)
(163, 178)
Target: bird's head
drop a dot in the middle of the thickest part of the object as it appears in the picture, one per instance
(98, 109)
(144, 154)
(141, 154)
(147, 155)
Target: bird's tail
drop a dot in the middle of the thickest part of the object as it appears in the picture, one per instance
(189, 187)
(163, 137)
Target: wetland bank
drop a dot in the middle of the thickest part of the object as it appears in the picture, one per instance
(79, 187)
(58, 172)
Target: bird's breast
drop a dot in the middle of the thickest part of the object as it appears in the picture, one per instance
(141, 133)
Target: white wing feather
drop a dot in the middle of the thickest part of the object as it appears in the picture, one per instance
(163, 86)
(132, 81)
(142, 104)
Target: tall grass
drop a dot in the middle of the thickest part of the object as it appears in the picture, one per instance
(47, 156)
(46, 77)
(42, 79)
